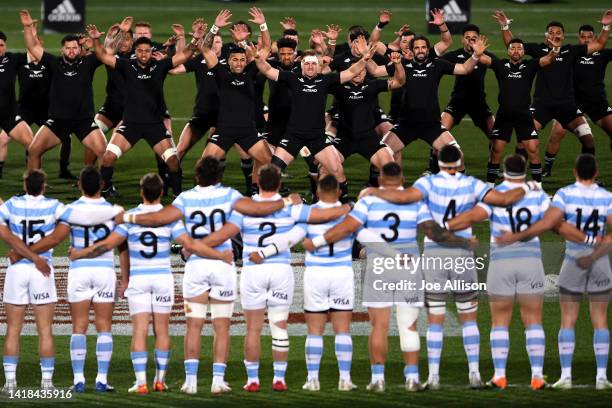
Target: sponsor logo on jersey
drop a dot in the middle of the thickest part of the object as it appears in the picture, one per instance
(420, 73)
(517, 74)
(70, 73)
(310, 88)
(65, 12)
(453, 13)
(587, 61)
(356, 95)
(236, 82)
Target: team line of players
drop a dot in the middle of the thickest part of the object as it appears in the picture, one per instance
(230, 79)
(205, 218)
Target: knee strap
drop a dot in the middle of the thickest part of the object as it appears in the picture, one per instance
(168, 153)
(583, 130)
(221, 310)
(195, 310)
(280, 337)
(409, 339)
(114, 149)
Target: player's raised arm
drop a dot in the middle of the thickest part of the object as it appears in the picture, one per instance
(366, 53)
(602, 38)
(504, 24)
(258, 17)
(222, 20)
(29, 36)
(332, 33)
(478, 48)
(261, 54)
(101, 53)
(396, 196)
(551, 219)
(446, 40)
(399, 76)
(197, 36)
(384, 18)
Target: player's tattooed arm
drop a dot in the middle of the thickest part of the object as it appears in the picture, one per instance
(93, 251)
(467, 219)
(24, 251)
(199, 29)
(396, 196)
(222, 20)
(165, 216)
(446, 40)
(445, 237)
(551, 219)
(33, 45)
(504, 25)
(332, 33)
(199, 248)
(101, 53)
(399, 77)
(602, 38)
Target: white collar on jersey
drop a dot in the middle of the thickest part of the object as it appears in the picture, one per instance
(592, 186)
(207, 188)
(37, 197)
(275, 197)
(150, 206)
(92, 200)
(323, 204)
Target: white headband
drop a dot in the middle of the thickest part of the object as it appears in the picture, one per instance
(455, 164)
(514, 176)
(311, 58)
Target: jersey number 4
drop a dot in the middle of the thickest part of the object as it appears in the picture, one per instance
(591, 224)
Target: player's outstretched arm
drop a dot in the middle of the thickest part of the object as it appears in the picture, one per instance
(384, 18)
(165, 216)
(396, 196)
(552, 217)
(602, 38)
(467, 219)
(444, 237)
(29, 35)
(322, 215)
(479, 47)
(446, 40)
(218, 237)
(93, 251)
(24, 251)
(499, 199)
(504, 24)
(201, 249)
(258, 17)
(260, 56)
(104, 57)
(199, 29)
(399, 77)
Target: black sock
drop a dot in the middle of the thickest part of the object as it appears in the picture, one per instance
(246, 165)
(433, 162)
(254, 189)
(521, 151)
(64, 165)
(536, 171)
(588, 150)
(374, 174)
(222, 166)
(1, 168)
(175, 179)
(344, 198)
(492, 172)
(279, 163)
(549, 160)
(312, 167)
(313, 183)
(107, 176)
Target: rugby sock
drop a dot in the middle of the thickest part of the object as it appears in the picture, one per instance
(1, 168)
(492, 172)
(246, 165)
(378, 372)
(161, 364)
(374, 174)
(434, 338)
(344, 198)
(549, 160)
(47, 365)
(433, 162)
(278, 163)
(107, 176)
(536, 171)
(588, 150)
(252, 369)
(500, 344)
(191, 371)
(64, 165)
(218, 373)
(313, 177)
(139, 361)
(104, 351)
(343, 346)
(312, 166)
(471, 345)
(601, 346)
(175, 181)
(10, 367)
(78, 351)
(536, 345)
(280, 368)
(411, 372)
(520, 151)
(314, 352)
(567, 343)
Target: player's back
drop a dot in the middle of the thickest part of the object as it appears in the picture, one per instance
(585, 206)
(447, 195)
(85, 236)
(149, 247)
(206, 209)
(516, 218)
(332, 255)
(31, 218)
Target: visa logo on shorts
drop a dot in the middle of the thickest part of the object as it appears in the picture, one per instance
(41, 296)
(280, 295)
(602, 282)
(537, 285)
(105, 295)
(165, 299)
(340, 301)
(226, 293)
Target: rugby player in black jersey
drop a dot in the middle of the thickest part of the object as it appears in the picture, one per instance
(554, 91)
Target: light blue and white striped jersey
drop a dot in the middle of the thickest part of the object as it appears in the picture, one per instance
(447, 195)
(31, 218)
(206, 209)
(397, 224)
(516, 218)
(332, 255)
(257, 232)
(84, 236)
(149, 247)
(587, 207)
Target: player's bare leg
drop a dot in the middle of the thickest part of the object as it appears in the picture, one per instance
(15, 315)
(582, 130)
(246, 165)
(606, 124)
(252, 347)
(43, 141)
(117, 146)
(221, 314)
(260, 152)
(138, 351)
(195, 315)
(329, 158)
(4, 141)
(161, 323)
(378, 346)
(166, 150)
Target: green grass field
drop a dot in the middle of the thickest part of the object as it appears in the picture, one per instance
(529, 24)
